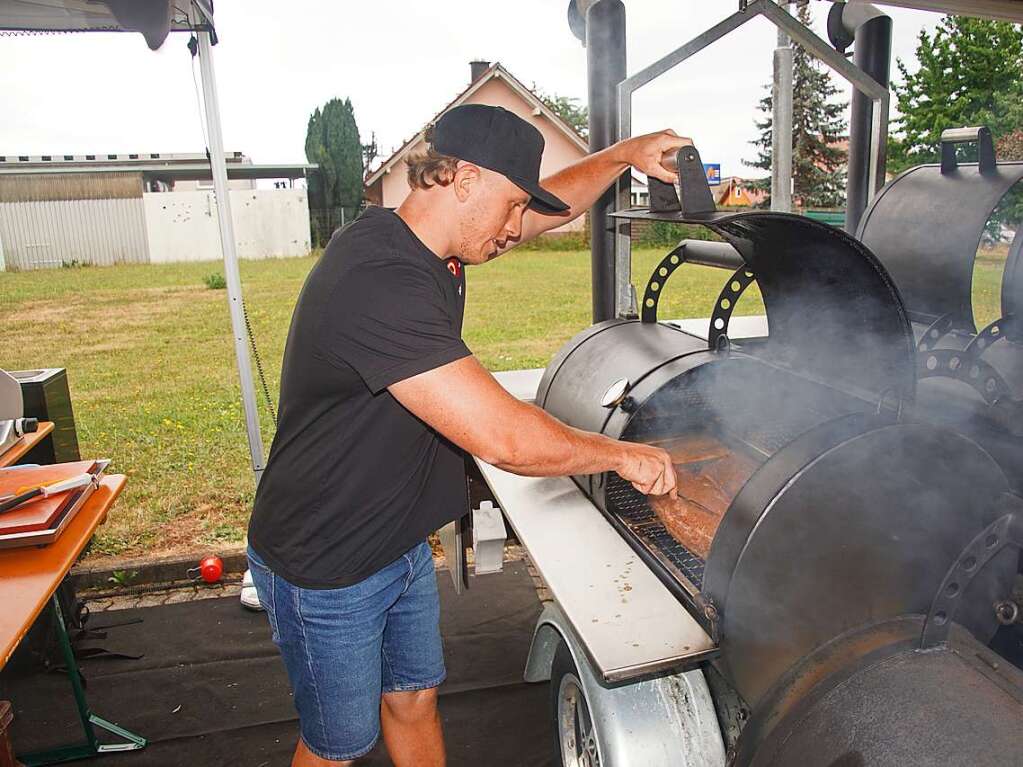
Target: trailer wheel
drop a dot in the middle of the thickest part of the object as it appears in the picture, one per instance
(575, 736)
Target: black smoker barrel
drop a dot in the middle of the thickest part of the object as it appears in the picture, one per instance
(809, 509)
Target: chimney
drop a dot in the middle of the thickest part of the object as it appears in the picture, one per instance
(478, 67)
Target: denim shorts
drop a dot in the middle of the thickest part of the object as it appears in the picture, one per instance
(344, 647)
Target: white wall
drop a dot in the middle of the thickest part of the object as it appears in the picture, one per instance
(182, 226)
(49, 233)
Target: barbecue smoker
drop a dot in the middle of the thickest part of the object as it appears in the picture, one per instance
(846, 560)
(968, 378)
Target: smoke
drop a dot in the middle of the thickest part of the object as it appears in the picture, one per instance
(863, 529)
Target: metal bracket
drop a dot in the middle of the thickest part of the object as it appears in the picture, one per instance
(664, 270)
(663, 197)
(1000, 328)
(967, 368)
(696, 197)
(1007, 530)
(717, 333)
(935, 332)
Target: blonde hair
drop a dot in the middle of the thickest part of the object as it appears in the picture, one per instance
(429, 167)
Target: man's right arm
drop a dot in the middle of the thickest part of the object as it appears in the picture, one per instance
(462, 401)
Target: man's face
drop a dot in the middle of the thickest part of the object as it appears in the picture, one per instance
(492, 216)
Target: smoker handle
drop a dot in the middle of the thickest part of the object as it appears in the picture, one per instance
(696, 198)
(720, 255)
(979, 135)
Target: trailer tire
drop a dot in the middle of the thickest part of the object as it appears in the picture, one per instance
(575, 736)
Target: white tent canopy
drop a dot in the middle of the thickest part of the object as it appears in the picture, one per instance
(155, 19)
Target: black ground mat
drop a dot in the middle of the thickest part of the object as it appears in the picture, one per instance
(211, 689)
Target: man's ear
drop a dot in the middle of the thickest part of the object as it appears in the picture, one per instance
(467, 178)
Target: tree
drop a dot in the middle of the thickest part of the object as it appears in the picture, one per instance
(818, 163)
(1005, 119)
(567, 109)
(969, 73)
(332, 142)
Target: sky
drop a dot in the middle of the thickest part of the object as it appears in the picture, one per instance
(400, 62)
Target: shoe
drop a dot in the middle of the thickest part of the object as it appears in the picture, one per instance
(249, 597)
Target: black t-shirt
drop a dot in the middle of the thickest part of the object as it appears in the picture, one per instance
(354, 480)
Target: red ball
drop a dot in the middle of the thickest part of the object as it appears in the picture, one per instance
(211, 568)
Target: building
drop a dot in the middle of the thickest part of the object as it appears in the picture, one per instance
(640, 194)
(735, 192)
(731, 192)
(143, 208)
(495, 85)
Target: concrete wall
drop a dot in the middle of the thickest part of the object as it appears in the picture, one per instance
(182, 226)
(559, 150)
(49, 233)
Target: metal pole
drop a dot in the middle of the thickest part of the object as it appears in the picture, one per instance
(781, 133)
(605, 68)
(872, 54)
(227, 241)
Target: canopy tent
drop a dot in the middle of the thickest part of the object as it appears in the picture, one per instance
(155, 19)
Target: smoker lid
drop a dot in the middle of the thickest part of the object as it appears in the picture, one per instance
(833, 311)
(925, 227)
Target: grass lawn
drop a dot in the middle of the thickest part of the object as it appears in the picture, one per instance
(152, 373)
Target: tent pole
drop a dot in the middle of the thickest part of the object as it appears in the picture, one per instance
(227, 241)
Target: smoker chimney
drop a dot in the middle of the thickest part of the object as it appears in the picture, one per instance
(478, 67)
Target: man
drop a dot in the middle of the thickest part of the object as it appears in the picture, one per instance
(379, 399)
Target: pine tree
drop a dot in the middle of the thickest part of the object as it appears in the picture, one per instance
(970, 72)
(332, 142)
(818, 165)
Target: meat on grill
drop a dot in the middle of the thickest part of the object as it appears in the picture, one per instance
(710, 474)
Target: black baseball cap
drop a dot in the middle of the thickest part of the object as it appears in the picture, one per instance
(501, 141)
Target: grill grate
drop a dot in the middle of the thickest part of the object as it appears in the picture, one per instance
(632, 508)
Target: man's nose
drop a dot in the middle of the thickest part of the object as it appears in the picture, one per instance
(513, 228)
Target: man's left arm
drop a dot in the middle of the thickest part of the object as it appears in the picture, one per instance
(581, 183)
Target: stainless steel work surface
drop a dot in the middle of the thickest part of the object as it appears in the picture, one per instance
(521, 384)
(625, 617)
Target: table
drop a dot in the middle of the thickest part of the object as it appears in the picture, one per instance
(26, 443)
(29, 578)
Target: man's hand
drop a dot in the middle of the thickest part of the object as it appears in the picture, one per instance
(649, 469)
(645, 153)
(581, 183)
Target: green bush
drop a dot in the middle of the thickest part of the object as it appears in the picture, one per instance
(659, 233)
(215, 281)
